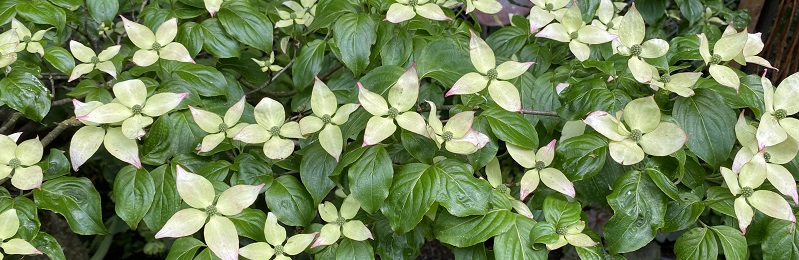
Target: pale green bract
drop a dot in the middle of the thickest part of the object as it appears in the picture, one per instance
(274, 245)
(9, 40)
(538, 163)
(726, 49)
(631, 37)
(28, 42)
(9, 225)
(457, 135)
(572, 235)
(340, 222)
(302, 13)
(219, 128)
(544, 11)
(576, 33)
(404, 10)
(494, 177)
(158, 45)
(20, 161)
(402, 98)
(271, 130)
(92, 61)
(327, 118)
(88, 139)
(776, 123)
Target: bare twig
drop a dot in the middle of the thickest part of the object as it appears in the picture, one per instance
(8, 124)
(71, 122)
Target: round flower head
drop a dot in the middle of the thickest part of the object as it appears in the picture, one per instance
(219, 128)
(726, 49)
(88, 139)
(301, 13)
(572, 235)
(631, 37)
(544, 11)
(29, 42)
(539, 171)
(341, 222)
(776, 123)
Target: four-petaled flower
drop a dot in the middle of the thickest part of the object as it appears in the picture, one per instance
(302, 13)
(631, 37)
(572, 235)
(485, 6)
(133, 108)
(274, 246)
(327, 117)
(153, 46)
(8, 47)
(544, 11)
(92, 61)
(743, 185)
(776, 123)
(29, 42)
(648, 135)
(218, 128)
(539, 170)
(220, 233)
(494, 176)
(574, 31)
(495, 77)
(9, 225)
(404, 10)
(726, 49)
(457, 136)
(402, 97)
(679, 83)
(268, 65)
(88, 139)
(271, 130)
(339, 222)
(20, 160)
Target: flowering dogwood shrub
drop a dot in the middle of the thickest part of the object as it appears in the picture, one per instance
(357, 129)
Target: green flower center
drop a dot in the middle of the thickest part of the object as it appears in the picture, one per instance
(447, 136)
(635, 135)
(14, 163)
(492, 74)
(780, 114)
(95, 60)
(561, 231)
(747, 192)
(665, 78)
(105, 126)
(549, 7)
(211, 210)
(539, 165)
(279, 250)
(716, 59)
(156, 46)
(767, 156)
(502, 188)
(413, 2)
(326, 119)
(392, 113)
(573, 35)
(635, 50)
(136, 109)
(26, 39)
(293, 16)
(223, 127)
(275, 131)
(609, 25)
(340, 221)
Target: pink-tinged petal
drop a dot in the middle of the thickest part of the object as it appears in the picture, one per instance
(626, 152)
(349, 207)
(27, 178)
(82, 109)
(460, 124)
(505, 94)
(235, 199)
(554, 179)
(210, 142)
(782, 179)
(641, 70)
(372, 102)
(470, 83)
(511, 69)
(167, 31)
(356, 230)
(108, 114)
(555, 32)
(605, 124)
(162, 103)
(753, 173)
(183, 223)
(547, 153)
(524, 157)
(233, 114)
(744, 213)
(131, 92)
(731, 178)
(257, 250)
(786, 95)
(195, 190)
(580, 50)
(489, 7)
(771, 204)
(297, 243)
(213, 6)
(769, 132)
(432, 11)
(17, 246)
(378, 129)
(274, 233)
(481, 54)
(522, 208)
(176, 52)
(529, 183)
(121, 147)
(632, 29)
(329, 234)
(221, 237)
(398, 13)
(403, 94)
(133, 127)
(140, 35)
(84, 144)
(539, 18)
(654, 48)
(343, 113)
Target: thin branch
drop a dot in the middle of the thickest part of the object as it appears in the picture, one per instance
(61, 102)
(71, 122)
(335, 68)
(14, 117)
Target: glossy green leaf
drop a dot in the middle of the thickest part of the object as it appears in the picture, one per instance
(184, 248)
(515, 243)
(25, 93)
(370, 178)
(55, 164)
(247, 26)
(308, 63)
(781, 242)
(216, 41)
(250, 223)
(393, 246)
(468, 231)
(77, 200)
(60, 58)
(204, 80)
(355, 35)
(48, 245)
(134, 191)
(42, 12)
(697, 243)
(290, 202)
(638, 211)
(732, 242)
(708, 123)
(103, 10)
(412, 194)
(560, 212)
(166, 200)
(459, 191)
(582, 156)
(436, 58)
(511, 128)
(351, 249)
(316, 166)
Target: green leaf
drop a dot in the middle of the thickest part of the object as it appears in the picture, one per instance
(166, 200)
(26, 213)
(682, 214)
(370, 178)
(561, 212)
(48, 245)
(412, 194)
(475, 252)
(351, 249)
(355, 35)
(638, 210)
(204, 80)
(459, 191)
(184, 248)
(103, 10)
(507, 40)
(24, 92)
(543, 233)
(327, 11)
(247, 26)
(60, 58)
(582, 156)
(782, 241)
(76, 200)
(191, 36)
(393, 246)
(651, 10)
(42, 12)
(7, 11)
(206, 254)
(732, 241)
(709, 125)
(308, 63)
(697, 243)
(71, 5)
(170, 135)
(216, 41)
(721, 200)
(691, 9)
(511, 128)
(436, 59)
(420, 147)
(468, 231)
(250, 223)
(216, 171)
(290, 202)
(134, 191)
(396, 46)
(663, 183)
(55, 165)
(515, 243)
(380, 79)
(315, 169)
(251, 171)
(586, 96)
